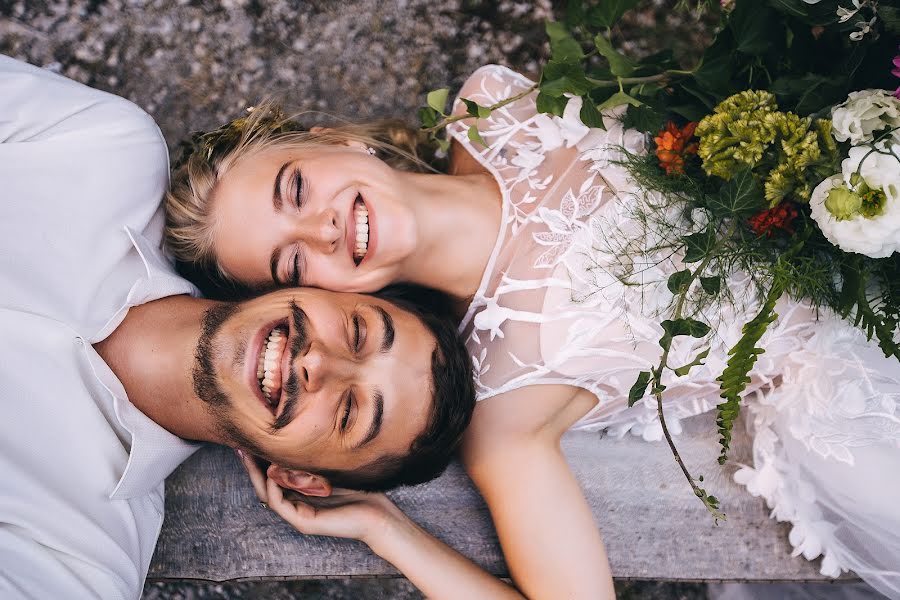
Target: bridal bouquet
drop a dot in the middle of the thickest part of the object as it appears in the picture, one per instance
(785, 135)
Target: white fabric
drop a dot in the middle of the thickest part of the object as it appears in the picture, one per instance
(82, 173)
(574, 292)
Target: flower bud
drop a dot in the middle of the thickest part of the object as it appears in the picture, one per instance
(842, 203)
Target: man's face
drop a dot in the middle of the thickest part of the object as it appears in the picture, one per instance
(313, 379)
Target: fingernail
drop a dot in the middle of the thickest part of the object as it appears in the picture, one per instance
(240, 454)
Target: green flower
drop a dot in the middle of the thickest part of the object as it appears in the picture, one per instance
(842, 202)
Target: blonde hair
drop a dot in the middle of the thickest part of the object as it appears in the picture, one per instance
(206, 157)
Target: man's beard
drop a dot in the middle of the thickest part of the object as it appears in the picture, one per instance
(206, 384)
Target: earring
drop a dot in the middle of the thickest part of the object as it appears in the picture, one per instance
(370, 150)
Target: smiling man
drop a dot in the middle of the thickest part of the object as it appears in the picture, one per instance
(112, 370)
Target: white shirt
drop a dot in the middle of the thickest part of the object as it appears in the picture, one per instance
(82, 470)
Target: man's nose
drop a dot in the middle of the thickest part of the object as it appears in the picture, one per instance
(321, 231)
(320, 367)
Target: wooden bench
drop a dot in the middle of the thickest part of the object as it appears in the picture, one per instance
(653, 526)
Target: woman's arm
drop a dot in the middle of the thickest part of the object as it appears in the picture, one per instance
(552, 546)
(432, 566)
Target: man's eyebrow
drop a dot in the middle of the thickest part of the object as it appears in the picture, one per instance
(375, 427)
(387, 340)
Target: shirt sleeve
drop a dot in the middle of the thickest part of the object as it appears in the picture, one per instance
(77, 166)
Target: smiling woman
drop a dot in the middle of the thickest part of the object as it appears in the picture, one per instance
(302, 200)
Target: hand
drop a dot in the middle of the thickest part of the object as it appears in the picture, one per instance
(346, 513)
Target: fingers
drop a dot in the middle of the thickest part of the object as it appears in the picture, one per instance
(257, 477)
(299, 515)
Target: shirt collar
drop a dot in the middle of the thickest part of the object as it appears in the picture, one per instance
(154, 452)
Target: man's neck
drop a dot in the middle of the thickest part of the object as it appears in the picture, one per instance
(152, 354)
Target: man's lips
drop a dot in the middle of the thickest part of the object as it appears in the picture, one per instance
(257, 344)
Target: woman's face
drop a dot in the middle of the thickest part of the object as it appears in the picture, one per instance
(332, 217)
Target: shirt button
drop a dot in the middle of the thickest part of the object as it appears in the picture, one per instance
(79, 341)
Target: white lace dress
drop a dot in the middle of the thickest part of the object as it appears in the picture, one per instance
(574, 292)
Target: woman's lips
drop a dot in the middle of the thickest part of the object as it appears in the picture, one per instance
(373, 238)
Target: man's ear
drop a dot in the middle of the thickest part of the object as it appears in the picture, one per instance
(350, 143)
(304, 482)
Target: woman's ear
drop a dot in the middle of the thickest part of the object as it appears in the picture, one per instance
(304, 482)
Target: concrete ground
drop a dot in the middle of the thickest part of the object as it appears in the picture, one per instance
(192, 64)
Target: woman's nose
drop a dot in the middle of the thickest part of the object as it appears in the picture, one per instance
(321, 231)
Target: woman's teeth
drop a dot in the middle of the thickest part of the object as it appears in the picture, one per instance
(268, 370)
(361, 214)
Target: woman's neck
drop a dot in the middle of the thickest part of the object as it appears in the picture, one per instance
(458, 218)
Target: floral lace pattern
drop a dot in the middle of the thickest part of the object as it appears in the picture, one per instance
(573, 294)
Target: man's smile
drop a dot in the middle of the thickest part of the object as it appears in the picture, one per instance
(268, 366)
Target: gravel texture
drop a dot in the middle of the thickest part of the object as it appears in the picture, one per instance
(192, 64)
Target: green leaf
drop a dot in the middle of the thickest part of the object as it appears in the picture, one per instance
(698, 360)
(428, 117)
(711, 285)
(678, 282)
(564, 76)
(794, 8)
(589, 114)
(552, 105)
(639, 388)
(809, 93)
(740, 197)
(684, 326)
(699, 245)
(475, 136)
(437, 99)
(618, 64)
(443, 144)
(890, 16)
(717, 66)
(475, 110)
(562, 44)
(643, 118)
(618, 99)
(753, 25)
(607, 12)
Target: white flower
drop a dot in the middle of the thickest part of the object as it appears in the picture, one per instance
(877, 236)
(864, 113)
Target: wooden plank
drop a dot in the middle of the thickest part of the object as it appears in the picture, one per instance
(653, 526)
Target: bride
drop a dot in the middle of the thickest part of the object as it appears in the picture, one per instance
(533, 235)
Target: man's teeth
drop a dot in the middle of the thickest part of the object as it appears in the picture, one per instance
(361, 214)
(268, 370)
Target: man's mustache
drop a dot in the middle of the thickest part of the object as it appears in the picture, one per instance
(292, 386)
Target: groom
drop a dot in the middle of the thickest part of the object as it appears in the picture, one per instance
(109, 364)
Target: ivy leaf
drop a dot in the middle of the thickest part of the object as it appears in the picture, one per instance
(428, 117)
(684, 326)
(890, 16)
(711, 285)
(795, 8)
(740, 197)
(475, 136)
(618, 64)
(643, 118)
(607, 12)
(639, 388)
(552, 105)
(716, 67)
(752, 24)
(678, 282)
(437, 99)
(564, 76)
(562, 45)
(699, 245)
(475, 110)
(443, 144)
(589, 114)
(698, 360)
(809, 93)
(618, 99)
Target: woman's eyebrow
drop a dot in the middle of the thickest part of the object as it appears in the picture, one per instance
(276, 193)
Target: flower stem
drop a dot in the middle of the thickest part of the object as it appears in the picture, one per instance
(453, 119)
